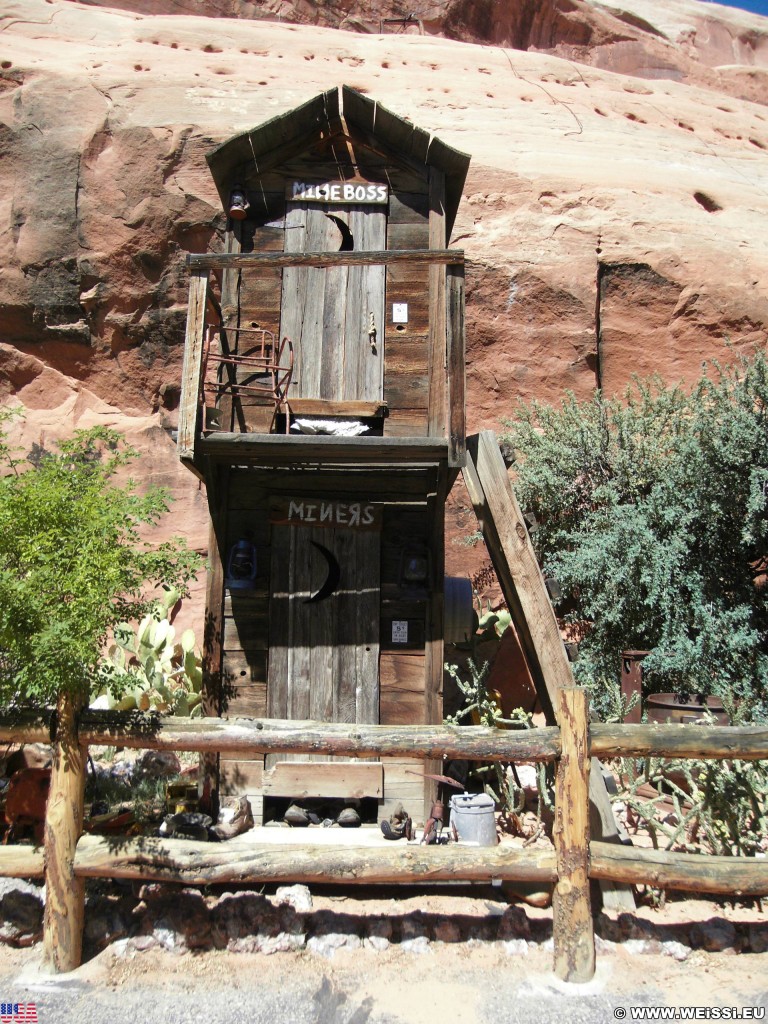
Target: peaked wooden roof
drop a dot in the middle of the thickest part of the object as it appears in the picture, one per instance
(286, 135)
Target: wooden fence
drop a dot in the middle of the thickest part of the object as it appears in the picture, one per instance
(69, 857)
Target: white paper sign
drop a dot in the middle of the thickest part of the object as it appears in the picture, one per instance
(400, 631)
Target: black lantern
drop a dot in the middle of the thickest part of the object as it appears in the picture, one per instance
(415, 567)
(238, 203)
(241, 566)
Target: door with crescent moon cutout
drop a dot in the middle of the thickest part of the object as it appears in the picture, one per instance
(323, 627)
(327, 312)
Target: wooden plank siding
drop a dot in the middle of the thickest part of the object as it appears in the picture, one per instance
(402, 688)
(304, 449)
(406, 380)
(404, 783)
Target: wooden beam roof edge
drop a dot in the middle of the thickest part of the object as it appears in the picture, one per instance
(328, 111)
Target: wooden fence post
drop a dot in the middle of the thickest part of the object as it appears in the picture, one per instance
(574, 936)
(64, 892)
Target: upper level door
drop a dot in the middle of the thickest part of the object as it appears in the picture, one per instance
(328, 313)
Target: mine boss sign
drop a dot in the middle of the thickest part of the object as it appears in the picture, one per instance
(338, 192)
(330, 513)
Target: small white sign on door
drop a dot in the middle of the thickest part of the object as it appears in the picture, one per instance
(400, 631)
(399, 312)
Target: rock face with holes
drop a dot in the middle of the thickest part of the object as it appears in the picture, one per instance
(614, 217)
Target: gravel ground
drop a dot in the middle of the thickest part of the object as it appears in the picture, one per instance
(465, 983)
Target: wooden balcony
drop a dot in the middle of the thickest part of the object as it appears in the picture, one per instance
(259, 379)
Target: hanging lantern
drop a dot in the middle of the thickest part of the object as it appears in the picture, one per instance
(238, 203)
(241, 566)
(415, 566)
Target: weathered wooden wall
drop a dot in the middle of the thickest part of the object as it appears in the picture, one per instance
(386, 681)
(254, 299)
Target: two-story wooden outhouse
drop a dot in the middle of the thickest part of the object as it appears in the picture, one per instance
(323, 406)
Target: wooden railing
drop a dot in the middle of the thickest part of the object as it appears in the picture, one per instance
(447, 345)
(574, 861)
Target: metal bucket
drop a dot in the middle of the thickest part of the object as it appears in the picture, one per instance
(670, 707)
(472, 817)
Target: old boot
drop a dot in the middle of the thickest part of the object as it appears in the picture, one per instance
(349, 818)
(399, 825)
(296, 816)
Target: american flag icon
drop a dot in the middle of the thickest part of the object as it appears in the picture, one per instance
(18, 1013)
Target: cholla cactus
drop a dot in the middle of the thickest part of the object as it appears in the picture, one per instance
(147, 670)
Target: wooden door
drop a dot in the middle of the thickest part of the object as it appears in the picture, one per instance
(327, 312)
(324, 651)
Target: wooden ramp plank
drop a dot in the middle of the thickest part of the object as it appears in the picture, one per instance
(522, 583)
(517, 568)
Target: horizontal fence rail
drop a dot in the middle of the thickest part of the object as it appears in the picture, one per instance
(196, 863)
(386, 257)
(574, 860)
(708, 742)
(307, 737)
(130, 729)
(690, 872)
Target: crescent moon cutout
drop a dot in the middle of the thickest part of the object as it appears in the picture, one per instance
(347, 238)
(331, 580)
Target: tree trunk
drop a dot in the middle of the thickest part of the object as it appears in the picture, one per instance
(65, 894)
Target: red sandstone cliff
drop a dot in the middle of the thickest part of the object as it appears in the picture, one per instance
(614, 217)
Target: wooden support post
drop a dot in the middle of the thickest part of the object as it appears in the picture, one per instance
(437, 305)
(456, 367)
(434, 648)
(212, 657)
(571, 907)
(189, 405)
(65, 893)
(632, 684)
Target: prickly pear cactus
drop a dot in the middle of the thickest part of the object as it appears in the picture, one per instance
(147, 669)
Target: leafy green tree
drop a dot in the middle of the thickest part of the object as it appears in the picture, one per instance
(653, 513)
(74, 563)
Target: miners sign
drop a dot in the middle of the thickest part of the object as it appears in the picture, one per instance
(328, 513)
(367, 192)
